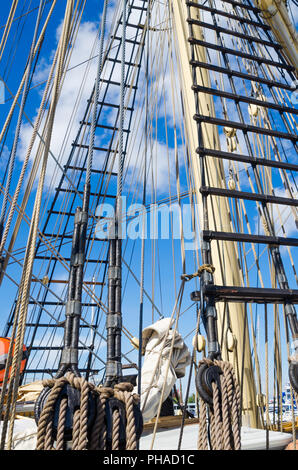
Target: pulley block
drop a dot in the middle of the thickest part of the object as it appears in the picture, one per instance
(293, 375)
(73, 396)
(113, 404)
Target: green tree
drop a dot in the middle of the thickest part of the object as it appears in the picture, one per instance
(192, 398)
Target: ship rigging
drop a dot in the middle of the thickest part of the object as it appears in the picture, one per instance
(150, 188)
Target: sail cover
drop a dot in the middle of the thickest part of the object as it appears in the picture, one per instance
(158, 340)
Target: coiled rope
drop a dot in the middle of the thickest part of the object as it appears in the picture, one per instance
(19, 122)
(83, 438)
(225, 415)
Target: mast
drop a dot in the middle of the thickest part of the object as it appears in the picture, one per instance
(53, 250)
(219, 209)
(225, 288)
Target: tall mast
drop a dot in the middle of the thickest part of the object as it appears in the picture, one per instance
(253, 50)
(53, 251)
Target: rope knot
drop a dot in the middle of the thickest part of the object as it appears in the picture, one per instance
(48, 383)
(104, 392)
(124, 387)
(205, 267)
(75, 382)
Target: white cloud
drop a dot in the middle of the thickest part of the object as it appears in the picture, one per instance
(71, 89)
(68, 116)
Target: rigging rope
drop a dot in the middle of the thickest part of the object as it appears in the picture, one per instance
(96, 93)
(205, 267)
(22, 303)
(8, 26)
(148, 16)
(37, 46)
(101, 433)
(26, 160)
(224, 416)
(116, 432)
(121, 391)
(114, 317)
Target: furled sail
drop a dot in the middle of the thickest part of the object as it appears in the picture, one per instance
(166, 358)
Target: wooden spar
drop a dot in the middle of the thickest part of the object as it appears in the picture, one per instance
(224, 254)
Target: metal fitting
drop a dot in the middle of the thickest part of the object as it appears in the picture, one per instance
(114, 272)
(69, 356)
(213, 347)
(81, 217)
(210, 311)
(114, 321)
(73, 308)
(113, 369)
(77, 259)
(289, 309)
(206, 278)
